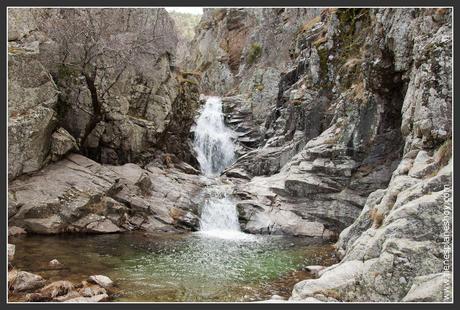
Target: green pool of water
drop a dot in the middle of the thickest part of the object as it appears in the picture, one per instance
(176, 267)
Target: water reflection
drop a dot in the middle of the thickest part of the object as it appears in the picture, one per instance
(173, 267)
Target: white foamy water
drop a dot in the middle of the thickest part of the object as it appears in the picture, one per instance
(216, 151)
(213, 140)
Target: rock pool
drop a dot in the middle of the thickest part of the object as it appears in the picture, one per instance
(176, 267)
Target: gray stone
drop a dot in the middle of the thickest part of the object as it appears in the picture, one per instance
(14, 230)
(61, 143)
(101, 280)
(331, 281)
(431, 288)
(26, 282)
(56, 289)
(11, 251)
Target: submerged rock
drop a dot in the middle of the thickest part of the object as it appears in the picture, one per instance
(54, 263)
(92, 290)
(315, 270)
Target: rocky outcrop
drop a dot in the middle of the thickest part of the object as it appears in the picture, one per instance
(396, 249)
(77, 194)
(105, 77)
(350, 133)
(185, 26)
(32, 99)
(328, 141)
(230, 44)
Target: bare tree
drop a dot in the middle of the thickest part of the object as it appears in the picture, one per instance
(104, 44)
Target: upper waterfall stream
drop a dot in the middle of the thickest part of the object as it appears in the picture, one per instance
(213, 140)
(216, 151)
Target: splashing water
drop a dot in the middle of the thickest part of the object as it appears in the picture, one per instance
(219, 217)
(214, 146)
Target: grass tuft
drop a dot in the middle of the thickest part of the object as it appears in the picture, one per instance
(254, 53)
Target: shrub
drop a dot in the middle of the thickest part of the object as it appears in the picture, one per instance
(254, 53)
(444, 153)
(259, 87)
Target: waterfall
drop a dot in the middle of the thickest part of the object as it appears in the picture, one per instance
(219, 211)
(216, 151)
(213, 140)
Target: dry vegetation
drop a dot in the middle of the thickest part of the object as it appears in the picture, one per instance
(444, 153)
(377, 218)
(309, 25)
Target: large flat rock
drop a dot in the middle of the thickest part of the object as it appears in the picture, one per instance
(77, 194)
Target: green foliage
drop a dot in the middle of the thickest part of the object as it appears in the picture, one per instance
(259, 87)
(355, 25)
(323, 56)
(254, 53)
(351, 40)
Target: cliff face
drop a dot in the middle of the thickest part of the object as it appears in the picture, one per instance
(185, 25)
(104, 76)
(349, 132)
(102, 83)
(395, 250)
(238, 48)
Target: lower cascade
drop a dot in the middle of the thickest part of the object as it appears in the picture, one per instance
(214, 146)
